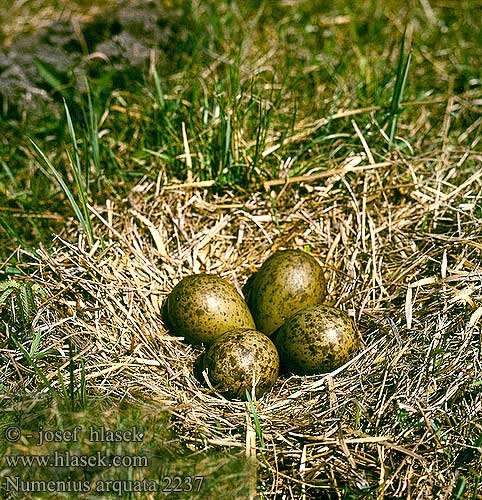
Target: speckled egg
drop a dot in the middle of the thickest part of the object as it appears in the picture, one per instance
(238, 358)
(289, 280)
(201, 307)
(316, 339)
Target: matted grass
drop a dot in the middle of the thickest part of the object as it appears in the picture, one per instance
(401, 249)
(275, 134)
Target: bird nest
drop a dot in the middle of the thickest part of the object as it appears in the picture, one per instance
(400, 243)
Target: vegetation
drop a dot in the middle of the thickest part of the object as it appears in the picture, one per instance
(352, 131)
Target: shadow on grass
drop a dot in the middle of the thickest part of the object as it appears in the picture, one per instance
(119, 450)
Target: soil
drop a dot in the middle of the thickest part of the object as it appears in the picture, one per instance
(40, 67)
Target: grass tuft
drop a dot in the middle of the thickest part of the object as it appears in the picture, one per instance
(79, 204)
(402, 75)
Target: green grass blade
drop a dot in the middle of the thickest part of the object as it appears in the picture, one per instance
(459, 490)
(92, 132)
(48, 74)
(160, 94)
(71, 373)
(62, 385)
(75, 163)
(402, 74)
(34, 366)
(63, 185)
(70, 126)
(35, 344)
(398, 82)
(227, 141)
(404, 79)
(81, 180)
(259, 430)
(78, 212)
(83, 386)
(82, 197)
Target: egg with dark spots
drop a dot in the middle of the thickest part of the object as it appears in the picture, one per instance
(289, 280)
(316, 339)
(241, 359)
(201, 307)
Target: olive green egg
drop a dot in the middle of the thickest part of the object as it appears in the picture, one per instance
(240, 359)
(201, 307)
(289, 280)
(316, 339)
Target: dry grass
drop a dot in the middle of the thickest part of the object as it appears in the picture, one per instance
(401, 244)
(400, 239)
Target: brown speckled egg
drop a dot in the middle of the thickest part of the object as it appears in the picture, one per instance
(289, 280)
(238, 358)
(201, 307)
(317, 339)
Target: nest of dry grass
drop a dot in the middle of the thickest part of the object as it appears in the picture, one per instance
(400, 242)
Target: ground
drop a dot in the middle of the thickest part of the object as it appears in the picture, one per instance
(204, 137)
